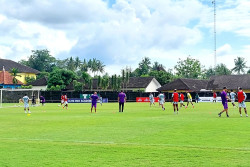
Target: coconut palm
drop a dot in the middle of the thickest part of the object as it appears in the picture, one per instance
(14, 73)
(240, 65)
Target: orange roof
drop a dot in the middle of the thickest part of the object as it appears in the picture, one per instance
(7, 79)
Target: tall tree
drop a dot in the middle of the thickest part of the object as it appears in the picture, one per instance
(221, 69)
(71, 64)
(240, 65)
(77, 63)
(123, 78)
(209, 72)
(189, 68)
(158, 67)
(162, 77)
(61, 77)
(144, 66)
(40, 60)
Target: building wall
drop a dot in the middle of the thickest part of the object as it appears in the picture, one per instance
(153, 85)
(39, 87)
(10, 86)
(23, 75)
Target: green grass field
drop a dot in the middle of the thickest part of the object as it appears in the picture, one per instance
(141, 136)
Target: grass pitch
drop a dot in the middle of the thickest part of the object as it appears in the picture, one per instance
(141, 136)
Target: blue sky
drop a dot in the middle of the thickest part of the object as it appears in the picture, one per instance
(121, 32)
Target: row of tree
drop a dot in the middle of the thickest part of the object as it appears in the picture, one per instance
(61, 73)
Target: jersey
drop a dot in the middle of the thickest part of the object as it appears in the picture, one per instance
(224, 97)
(175, 97)
(94, 98)
(151, 97)
(189, 96)
(26, 100)
(214, 95)
(241, 96)
(232, 95)
(161, 97)
(182, 97)
(65, 98)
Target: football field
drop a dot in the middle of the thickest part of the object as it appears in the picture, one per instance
(141, 136)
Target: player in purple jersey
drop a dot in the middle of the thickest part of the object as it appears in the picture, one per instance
(224, 99)
(94, 99)
(42, 100)
(121, 101)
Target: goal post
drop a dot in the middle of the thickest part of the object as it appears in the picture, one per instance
(11, 97)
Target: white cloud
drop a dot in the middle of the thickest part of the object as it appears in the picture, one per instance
(122, 34)
(224, 50)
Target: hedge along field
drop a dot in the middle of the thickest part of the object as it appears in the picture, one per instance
(141, 136)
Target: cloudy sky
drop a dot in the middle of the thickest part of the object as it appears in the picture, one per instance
(122, 32)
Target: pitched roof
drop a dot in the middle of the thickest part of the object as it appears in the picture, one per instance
(9, 64)
(139, 82)
(185, 84)
(134, 82)
(7, 79)
(40, 82)
(230, 81)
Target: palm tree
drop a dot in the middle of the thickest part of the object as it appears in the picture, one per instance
(77, 62)
(14, 73)
(100, 66)
(240, 65)
(127, 79)
(123, 78)
(158, 67)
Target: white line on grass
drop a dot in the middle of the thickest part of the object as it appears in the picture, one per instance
(132, 144)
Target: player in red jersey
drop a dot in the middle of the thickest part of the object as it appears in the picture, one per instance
(241, 100)
(65, 101)
(175, 97)
(214, 97)
(182, 98)
(62, 100)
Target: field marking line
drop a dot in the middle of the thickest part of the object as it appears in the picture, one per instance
(127, 143)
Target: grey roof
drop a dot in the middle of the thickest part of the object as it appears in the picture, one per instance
(230, 81)
(134, 82)
(9, 64)
(185, 84)
(40, 82)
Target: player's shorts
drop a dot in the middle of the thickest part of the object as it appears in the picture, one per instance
(66, 102)
(175, 102)
(152, 101)
(242, 105)
(161, 102)
(232, 100)
(62, 101)
(181, 101)
(26, 105)
(225, 105)
(189, 100)
(93, 105)
(214, 99)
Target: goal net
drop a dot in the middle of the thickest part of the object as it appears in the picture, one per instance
(12, 97)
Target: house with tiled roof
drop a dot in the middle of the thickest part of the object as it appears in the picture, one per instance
(24, 71)
(216, 83)
(6, 80)
(39, 84)
(143, 84)
(185, 84)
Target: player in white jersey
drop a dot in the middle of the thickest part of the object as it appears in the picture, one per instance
(151, 99)
(26, 103)
(100, 98)
(233, 95)
(161, 100)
